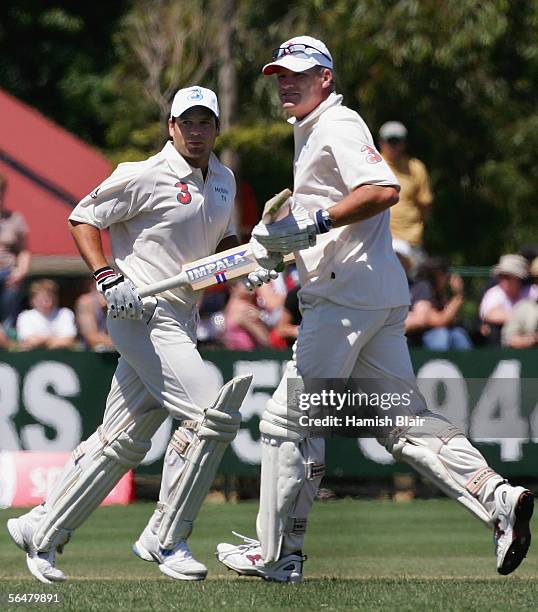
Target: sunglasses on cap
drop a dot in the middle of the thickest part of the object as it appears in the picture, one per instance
(292, 49)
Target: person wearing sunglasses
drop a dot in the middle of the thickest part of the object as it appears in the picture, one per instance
(409, 215)
(354, 300)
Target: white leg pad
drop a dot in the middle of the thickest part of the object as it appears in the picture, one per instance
(201, 445)
(440, 452)
(290, 478)
(93, 470)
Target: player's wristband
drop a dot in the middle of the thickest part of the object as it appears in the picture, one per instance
(107, 277)
(323, 221)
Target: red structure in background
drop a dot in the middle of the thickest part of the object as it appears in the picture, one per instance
(48, 171)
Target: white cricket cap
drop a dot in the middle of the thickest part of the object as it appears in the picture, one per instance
(393, 129)
(309, 52)
(194, 96)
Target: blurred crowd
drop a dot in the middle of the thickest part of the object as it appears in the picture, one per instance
(504, 309)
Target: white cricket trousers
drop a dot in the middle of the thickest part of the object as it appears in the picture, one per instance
(160, 367)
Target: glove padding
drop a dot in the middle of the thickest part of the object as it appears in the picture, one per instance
(267, 260)
(122, 299)
(258, 277)
(295, 232)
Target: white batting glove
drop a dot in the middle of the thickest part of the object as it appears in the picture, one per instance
(122, 299)
(258, 277)
(267, 260)
(295, 232)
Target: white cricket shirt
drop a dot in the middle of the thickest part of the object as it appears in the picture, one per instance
(353, 265)
(162, 214)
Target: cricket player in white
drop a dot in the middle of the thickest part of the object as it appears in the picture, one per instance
(168, 210)
(354, 299)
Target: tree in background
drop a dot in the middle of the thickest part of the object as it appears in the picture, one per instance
(461, 75)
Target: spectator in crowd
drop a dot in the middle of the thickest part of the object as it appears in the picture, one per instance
(211, 312)
(498, 301)
(432, 318)
(90, 317)
(287, 326)
(404, 252)
(270, 297)
(14, 259)
(521, 328)
(244, 329)
(46, 325)
(408, 216)
(4, 339)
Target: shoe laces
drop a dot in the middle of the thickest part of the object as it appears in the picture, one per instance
(182, 548)
(249, 543)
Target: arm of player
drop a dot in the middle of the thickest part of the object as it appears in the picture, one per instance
(123, 301)
(362, 203)
(299, 230)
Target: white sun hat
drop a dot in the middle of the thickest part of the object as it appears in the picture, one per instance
(299, 54)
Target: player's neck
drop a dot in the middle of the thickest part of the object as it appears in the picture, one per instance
(201, 163)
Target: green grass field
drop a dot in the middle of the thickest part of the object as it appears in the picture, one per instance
(363, 555)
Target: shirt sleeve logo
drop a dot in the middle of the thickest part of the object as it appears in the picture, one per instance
(372, 156)
(184, 196)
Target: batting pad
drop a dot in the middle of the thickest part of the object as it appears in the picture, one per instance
(94, 469)
(202, 456)
(440, 452)
(290, 478)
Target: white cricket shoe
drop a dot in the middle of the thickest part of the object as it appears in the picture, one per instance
(512, 536)
(176, 562)
(246, 559)
(40, 563)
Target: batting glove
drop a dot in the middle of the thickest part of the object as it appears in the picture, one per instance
(267, 260)
(258, 277)
(295, 232)
(122, 299)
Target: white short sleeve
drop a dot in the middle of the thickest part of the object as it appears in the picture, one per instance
(355, 155)
(116, 199)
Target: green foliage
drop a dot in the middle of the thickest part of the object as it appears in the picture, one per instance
(56, 55)
(462, 75)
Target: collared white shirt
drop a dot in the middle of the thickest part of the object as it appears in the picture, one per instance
(60, 323)
(353, 265)
(162, 214)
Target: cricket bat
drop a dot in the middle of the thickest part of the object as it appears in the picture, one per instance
(220, 267)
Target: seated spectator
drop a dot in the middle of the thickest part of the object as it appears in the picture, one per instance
(243, 328)
(90, 317)
(4, 339)
(521, 328)
(287, 326)
(499, 300)
(404, 252)
(14, 259)
(46, 325)
(211, 312)
(432, 317)
(270, 297)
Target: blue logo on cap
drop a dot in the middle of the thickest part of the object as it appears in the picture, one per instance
(196, 94)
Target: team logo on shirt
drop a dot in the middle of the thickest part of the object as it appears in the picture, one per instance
(184, 196)
(372, 156)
